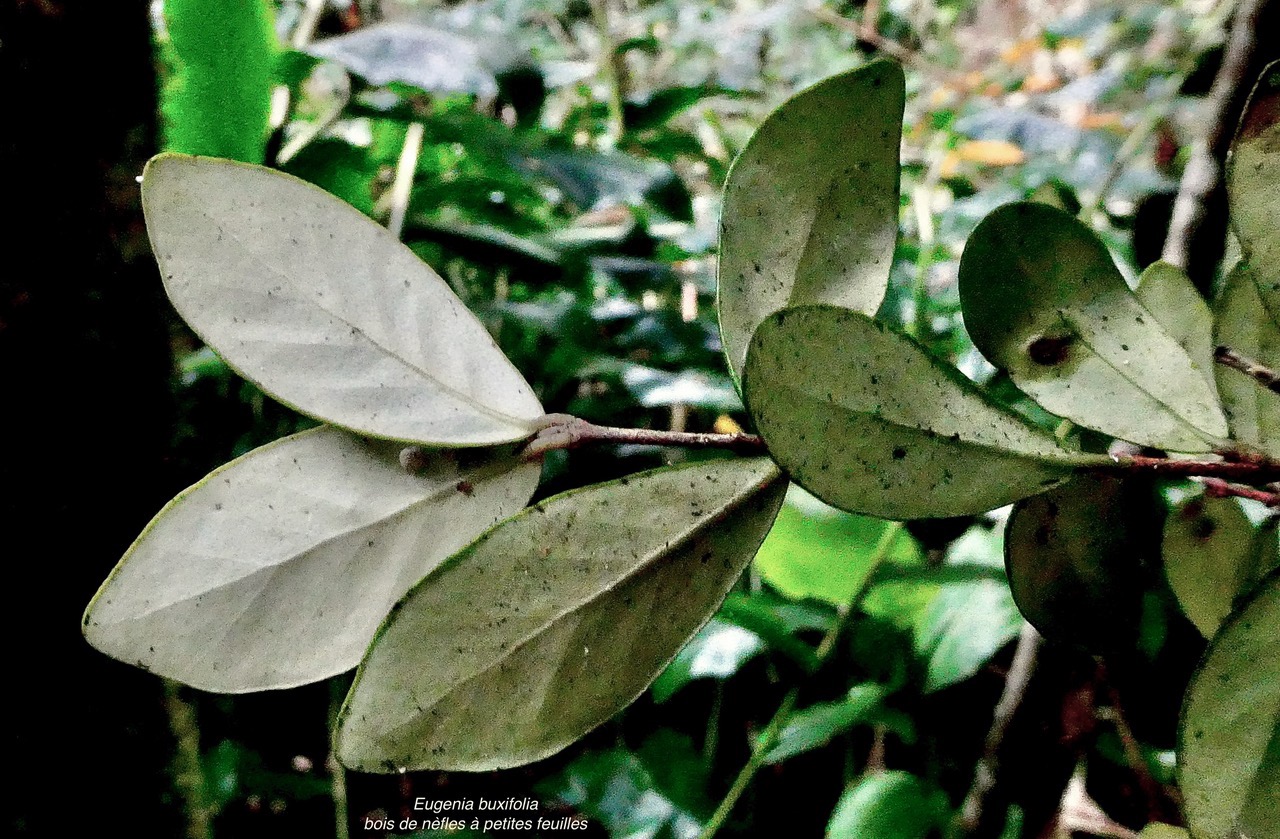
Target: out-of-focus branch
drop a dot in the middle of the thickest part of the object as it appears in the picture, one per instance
(1204, 169)
(1015, 687)
(1264, 375)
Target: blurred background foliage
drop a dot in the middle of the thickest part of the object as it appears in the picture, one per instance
(559, 162)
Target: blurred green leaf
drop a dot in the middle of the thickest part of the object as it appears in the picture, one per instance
(889, 805)
(219, 99)
(718, 651)
(1167, 293)
(815, 550)
(817, 725)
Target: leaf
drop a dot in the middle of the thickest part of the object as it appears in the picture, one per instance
(655, 794)
(816, 726)
(1073, 556)
(1157, 830)
(718, 651)
(1241, 323)
(430, 59)
(865, 419)
(218, 101)
(1210, 558)
(1252, 174)
(276, 569)
(325, 310)
(1043, 300)
(1229, 739)
(817, 551)
(966, 623)
(810, 209)
(1166, 292)
(555, 620)
(888, 805)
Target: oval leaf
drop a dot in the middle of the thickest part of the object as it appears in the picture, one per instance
(1229, 739)
(1073, 555)
(1252, 175)
(1210, 558)
(811, 205)
(324, 309)
(1167, 292)
(276, 569)
(1242, 324)
(889, 805)
(865, 419)
(555, 620)
(1043, 300)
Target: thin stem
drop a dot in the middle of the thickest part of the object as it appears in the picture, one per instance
(1015, 687)
(1203, 172)
(562, 431)
(338, 772)
(609, 66)
(1218, 488)
(406, 166)
(188, 774)
(1132, 749)
(1259, 471)
(769, 737)
(1264, 375)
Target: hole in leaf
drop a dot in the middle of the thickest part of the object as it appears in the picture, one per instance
(1049, 351)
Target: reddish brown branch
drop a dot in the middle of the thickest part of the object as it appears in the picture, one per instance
(1219, 488)
(1244, 471)
(1264, 375)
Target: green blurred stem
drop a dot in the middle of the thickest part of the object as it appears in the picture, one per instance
(188, 774)
(338, 786)
(610, 66)
(769, 737)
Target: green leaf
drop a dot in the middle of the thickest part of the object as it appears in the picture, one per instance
(811, 205)
(1229, 739)
(218, 101)
(1166, 292)
(1073, 556)
(888, 805)
(1043, 300)
(865, 419)
(325, 310)
(1241, 323)
(1252, 174)
(816, 726)
(718, 651)
(555, 620)
(817, 551)
(966, 623)
(276, 569)
(1156, 830)
(1210, 558)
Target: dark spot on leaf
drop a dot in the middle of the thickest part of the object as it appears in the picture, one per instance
(1050, 351)
(1203, 528)
(899, 453)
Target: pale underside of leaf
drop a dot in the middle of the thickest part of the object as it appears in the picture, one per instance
(1253, 173)
(1209, 558)
(811, 205)
(555, 620)
(1229, 748)
(1043, 300)
(325, 310)
(866, 420)
(1167, 293)
(277, 569)
(1242, 324)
